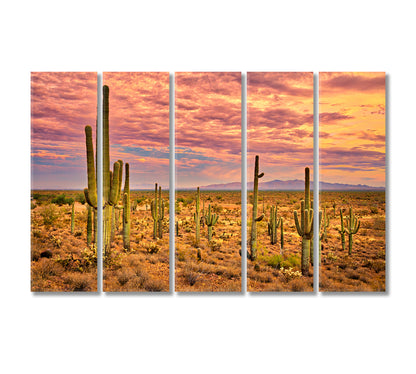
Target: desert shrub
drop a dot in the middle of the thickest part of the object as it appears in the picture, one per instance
(379, 224)
(217, 208)
(215, 244)
(89, 257)
(153, 285)
(80, 198)
(62, 200)
(36, 233)
(274, 261)
(78, 233)
(152, 248)
(45, 268)
(79, 282)
(351, 274)
(49, 215)
(191, 277)
(374, 210)
(290, 273)
(32, 205)
(112, 260)
(297, 285)
(124, 275)
(57, 242)
(180, 255)
(331, 256)
(291, 261)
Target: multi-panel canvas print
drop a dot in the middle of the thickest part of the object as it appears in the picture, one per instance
(208, 182)
(352, 181)
(136, 182)
(279, 181)
(63, 234)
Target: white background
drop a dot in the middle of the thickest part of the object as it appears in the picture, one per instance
(206, 334)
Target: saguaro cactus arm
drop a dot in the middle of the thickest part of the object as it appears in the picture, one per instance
(91, 194)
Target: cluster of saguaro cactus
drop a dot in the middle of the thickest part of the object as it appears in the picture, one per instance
(157, 208)
(253, 238)
(305, 228)
(211, 220)
(352, 227)
(273, 224)
(197, 217)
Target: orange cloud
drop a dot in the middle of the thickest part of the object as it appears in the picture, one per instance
(139, 125)
(352, 128)
(280, 123)
(62, 104)
(208, 128)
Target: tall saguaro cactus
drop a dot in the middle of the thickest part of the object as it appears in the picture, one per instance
(73, 218)
(211, 220)
(305, 228)
(91, 192)
(161, 214)
(197, 217)
(353, 225)
(111, 180)
(281, 236)
(155, 215)
(325, 225)
(342, 230)
(253, 239)
(126, 209)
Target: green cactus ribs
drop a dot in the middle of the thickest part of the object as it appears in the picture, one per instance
(255, 219)
(157, 208)
(197, 217)
(353, 225)
(126, 209)
(273, 224)
(305, 228)
(211, 220)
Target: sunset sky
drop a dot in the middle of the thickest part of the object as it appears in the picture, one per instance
(280, 124)
(208, 128)
(352, 128)
(139, 126)
(62, 104)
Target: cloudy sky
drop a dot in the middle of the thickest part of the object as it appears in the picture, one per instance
(62, 104)
(352, 128)
(280, 124)
(207, 128)
(139, 125)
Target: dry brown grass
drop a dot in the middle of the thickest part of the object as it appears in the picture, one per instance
(273, 271)
(219, 266)
(61, 261)
(364, 269)
(145, 267)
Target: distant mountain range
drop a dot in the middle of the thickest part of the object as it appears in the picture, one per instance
(292, 185)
